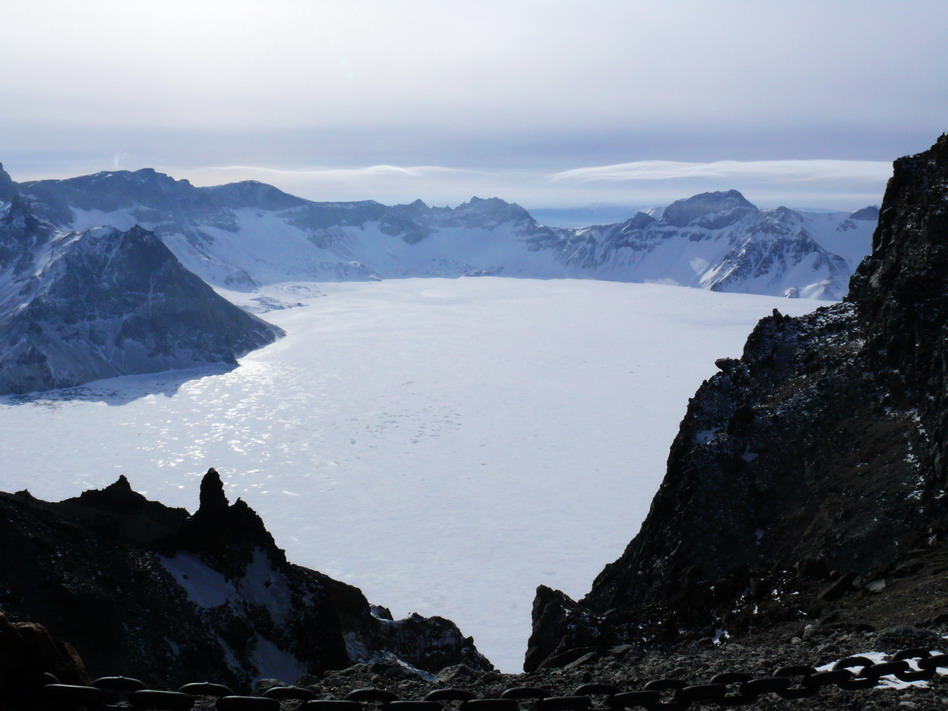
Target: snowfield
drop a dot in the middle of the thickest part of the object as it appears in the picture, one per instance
(444, 444)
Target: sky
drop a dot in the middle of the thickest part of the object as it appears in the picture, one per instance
(549, 103)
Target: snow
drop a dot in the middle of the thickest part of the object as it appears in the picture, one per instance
(274, 663)
(264, 586)
(834, 232)
(260, 585)
(205, 586)
(446, 445)
(889, 681)
(245, 247)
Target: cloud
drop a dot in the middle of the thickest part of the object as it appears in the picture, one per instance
(765, 171)
(832, 184)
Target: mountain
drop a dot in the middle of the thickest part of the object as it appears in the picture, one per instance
(144, 590)
(805, 490)
(722, 242)
(246, 235)
(80, 306)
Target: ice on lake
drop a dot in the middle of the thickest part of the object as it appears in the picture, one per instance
(444, 444)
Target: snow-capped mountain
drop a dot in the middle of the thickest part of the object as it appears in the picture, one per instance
(720, 241)
(245, 235)
(80, 306)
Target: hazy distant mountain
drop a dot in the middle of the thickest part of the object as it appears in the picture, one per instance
(80, 306)
(244, 235)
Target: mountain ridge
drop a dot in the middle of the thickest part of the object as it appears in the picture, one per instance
(243, 236)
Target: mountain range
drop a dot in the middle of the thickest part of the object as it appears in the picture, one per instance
(245, 235)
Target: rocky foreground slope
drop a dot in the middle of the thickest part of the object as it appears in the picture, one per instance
(806, 486)
(141, 589)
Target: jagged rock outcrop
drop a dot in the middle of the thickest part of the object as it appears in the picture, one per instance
(807, 482)
(149, 591)
(77, 307)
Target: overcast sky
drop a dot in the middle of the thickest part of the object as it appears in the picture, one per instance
(548, 103)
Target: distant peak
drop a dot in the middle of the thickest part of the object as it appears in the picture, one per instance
(493, 206)
(682, 212)
(784, 213)
(486, 201)
(639, 220)
(870, 214)
(142, 175)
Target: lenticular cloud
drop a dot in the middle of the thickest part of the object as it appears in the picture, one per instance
(763, 171)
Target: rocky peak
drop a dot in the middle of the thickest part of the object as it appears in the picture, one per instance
(213, 502)
(494, 210)
(639, 221)
(226, 535)
(684, 212)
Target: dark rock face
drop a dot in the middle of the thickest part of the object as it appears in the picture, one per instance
(101, 303)
(807, 481)
(144, 590)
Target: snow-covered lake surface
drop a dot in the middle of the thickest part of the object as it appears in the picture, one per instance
(444, 444)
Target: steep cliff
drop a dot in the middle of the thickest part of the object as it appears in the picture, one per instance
(807, 482)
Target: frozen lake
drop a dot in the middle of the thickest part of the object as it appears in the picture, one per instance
(444, 444)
